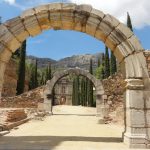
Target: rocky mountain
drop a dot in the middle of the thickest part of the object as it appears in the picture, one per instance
(42, 62)
(81, 61)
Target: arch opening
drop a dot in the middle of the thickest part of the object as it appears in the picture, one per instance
(117, 37)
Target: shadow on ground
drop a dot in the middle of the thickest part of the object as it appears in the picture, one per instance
(46, 142)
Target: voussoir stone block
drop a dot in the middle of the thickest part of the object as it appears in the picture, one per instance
(55, 7)
(135, 43)
(8, 39)
(17, 28)
(43, 20)
(133, 67)
(5, 55)
(67, 20)
(31, 24)
(68, 6)
(91, 26)
(106, 26)
(2, 71)
(84, 8)
(27, 13)
(119, 35)
(41, 8)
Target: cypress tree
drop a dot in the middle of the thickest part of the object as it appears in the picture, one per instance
(35, 75)
(113, 67)
(48, 72)
(32, 79)
(129, 23)
(75, 91)
(21, 70)
(107, 64)
(90, 86)
(42, 81)
(98, 62)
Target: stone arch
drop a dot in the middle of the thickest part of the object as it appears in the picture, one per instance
(77, 71)
(121, 41)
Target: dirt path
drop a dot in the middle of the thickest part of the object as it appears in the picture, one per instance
(65, 132)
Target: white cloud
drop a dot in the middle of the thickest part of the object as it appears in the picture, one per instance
(138, 9)
(10, 1)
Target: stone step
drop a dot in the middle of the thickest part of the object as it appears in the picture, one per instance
(4, 133)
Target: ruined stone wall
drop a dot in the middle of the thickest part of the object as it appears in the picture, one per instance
(10, 79)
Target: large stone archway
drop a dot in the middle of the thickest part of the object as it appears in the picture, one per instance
(75, 71)
(121, 41)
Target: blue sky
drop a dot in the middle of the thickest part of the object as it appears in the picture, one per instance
(60, 44)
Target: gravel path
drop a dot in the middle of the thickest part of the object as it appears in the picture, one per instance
(65, 132)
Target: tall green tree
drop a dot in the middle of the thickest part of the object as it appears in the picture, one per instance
(36, 74)
(33, 83)
(90, 86)
(48, 72)
(129, 23)
(113, 64)
(21, 70)
(76, 93)
(107, 63)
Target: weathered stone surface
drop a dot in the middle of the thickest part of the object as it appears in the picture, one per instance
(133, 118)
(17, 28)
(27, 13)
(117, 36)
(148, 118)
(5, 55)
(2, 70)
(43, 20)
(41, 9)
(134, 99)
(106, 26)
(84, 8)
(67, 20)
(55, 7)
(135, 44)
(8, 39)
(32, 25)
(68, 6)
(55, 20)
(133, 67)
(91, 26)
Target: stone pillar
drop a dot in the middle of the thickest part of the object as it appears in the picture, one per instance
(102, 109)
(2, 71)
(47, 103)
(135, 135)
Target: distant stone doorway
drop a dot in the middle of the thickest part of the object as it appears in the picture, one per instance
(62, 100)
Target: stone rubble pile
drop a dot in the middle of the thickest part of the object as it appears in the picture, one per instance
(28, 99)
(114, 88)
(15, 115)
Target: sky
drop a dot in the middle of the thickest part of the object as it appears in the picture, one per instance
(60, 44)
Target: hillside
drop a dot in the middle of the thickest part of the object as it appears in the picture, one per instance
(81, 61)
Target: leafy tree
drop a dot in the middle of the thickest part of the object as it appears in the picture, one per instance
(21, 70)
(129, 23)
(113, 65)
(107, 64)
